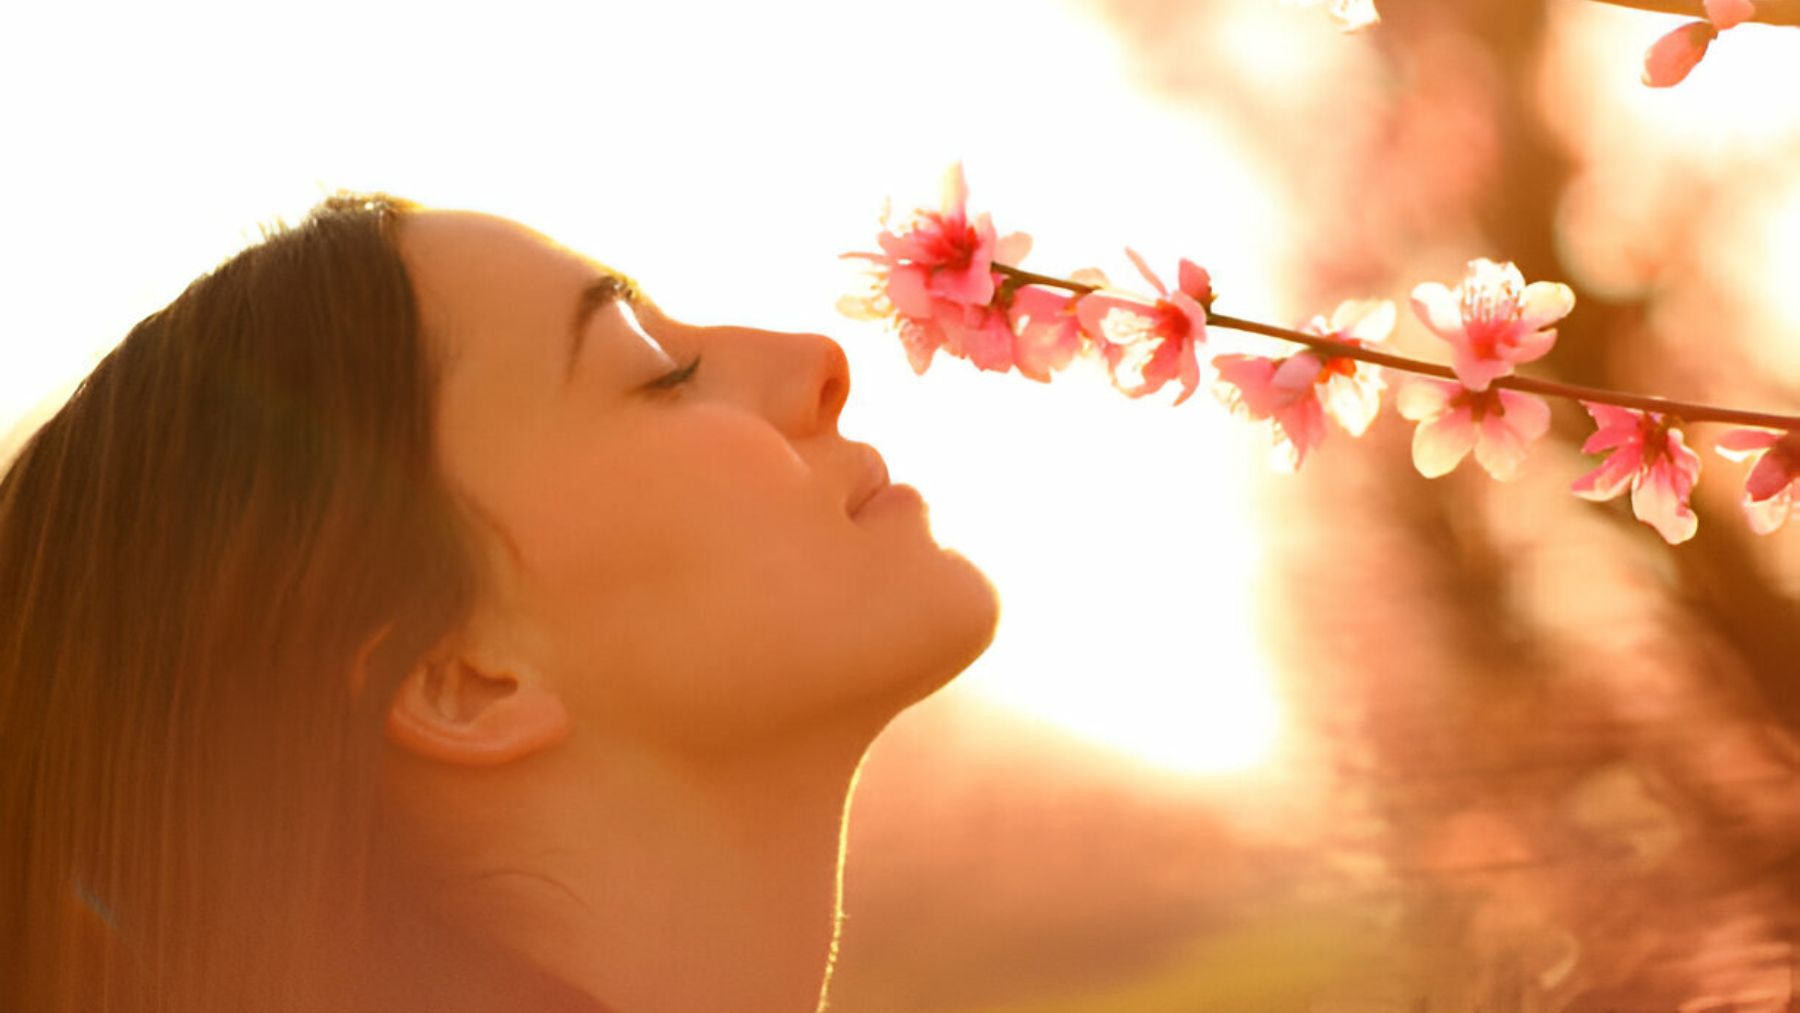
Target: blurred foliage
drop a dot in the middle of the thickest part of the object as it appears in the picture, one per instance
(1560, 759)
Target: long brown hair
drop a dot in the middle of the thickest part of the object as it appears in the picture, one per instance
(194, 552)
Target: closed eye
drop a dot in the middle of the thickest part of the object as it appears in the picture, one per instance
(677, 377)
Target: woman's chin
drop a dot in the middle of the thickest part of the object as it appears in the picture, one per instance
(965, 617)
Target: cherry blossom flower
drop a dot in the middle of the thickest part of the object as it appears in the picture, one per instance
(1283, 391)
(934, 280)
(1649, 456)
(1296, 394)
(1148, 342)
(1769, 492)
(1671, 58)
(1499, 425)
(1046, 328)
(1493, 320)
(1351, 15)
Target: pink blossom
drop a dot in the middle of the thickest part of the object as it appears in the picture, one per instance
(980, 334)
(1148, 342)
(1769, 490)
(1283, 391)
(934, 278)
(1669, 59)
(1298, 392)
(1649, 456)
(1499, 425)
(1493, 320)
(1046, 327)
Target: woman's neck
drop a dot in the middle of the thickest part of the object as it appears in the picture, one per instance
(662, 885)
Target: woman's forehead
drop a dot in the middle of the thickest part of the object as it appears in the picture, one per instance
(476, 273)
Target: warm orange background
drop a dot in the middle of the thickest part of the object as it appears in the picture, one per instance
(1347, 742)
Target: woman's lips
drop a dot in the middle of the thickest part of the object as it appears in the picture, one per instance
(874, 479)
(896, 492)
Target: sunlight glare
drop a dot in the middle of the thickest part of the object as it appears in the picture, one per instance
(727, 173)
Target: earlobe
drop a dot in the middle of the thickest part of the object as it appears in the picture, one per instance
(451, 711)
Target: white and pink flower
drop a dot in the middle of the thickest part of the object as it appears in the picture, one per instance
(1769, 492)
(1047, 327)
(1498, 425)
(1297, 393)
(1648, 456)
(1493, 320)
(1148, 342)
(1671, 58)
(934, 278)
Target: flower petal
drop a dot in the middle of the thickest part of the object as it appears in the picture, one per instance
(1531, 346)
(1366, 320)
(1505, 436)
(1297, 374)
(1526, 414)
(1421, 399)
(1244, 384)
(1194, 280)
(1138, 262)
(1354, 401)
(1617, 427)
(971, 286)
(1187, 370)
(1440, 444)
(906, 289)
(1091, 276)
(1770, 476)
(1658, 500)
(859, 307)
(1499, 449)
(1544, 303)
(1196, 316)
(1047, 337)
(1739, 444)
(1439, 308)
(1477, 372)
(1671, 58)
(1611, 478)
(1681, 457)
(953, 191)
(1770, 514)
(984, 338)
(921, 339)
(1012, 248)
(1298, 428)
(1114, 317)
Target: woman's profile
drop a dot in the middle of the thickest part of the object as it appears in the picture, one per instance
(412, 616)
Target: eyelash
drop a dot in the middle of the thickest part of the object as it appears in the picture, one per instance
(632, 294)
(677, 377)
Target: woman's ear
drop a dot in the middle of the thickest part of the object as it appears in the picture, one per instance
(458, 710)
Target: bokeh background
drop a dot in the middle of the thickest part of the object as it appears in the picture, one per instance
(1349, 741)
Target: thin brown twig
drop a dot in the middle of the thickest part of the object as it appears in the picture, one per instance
(1768, 12)
(1687, 411)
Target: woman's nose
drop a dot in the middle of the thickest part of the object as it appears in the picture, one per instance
(806, 378)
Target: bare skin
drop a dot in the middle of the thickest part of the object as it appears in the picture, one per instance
(632, 765)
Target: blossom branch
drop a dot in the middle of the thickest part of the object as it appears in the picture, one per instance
(1686, 410)
(945, 281)
(1768, 12)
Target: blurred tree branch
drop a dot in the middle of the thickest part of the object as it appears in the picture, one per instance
(1768, 12)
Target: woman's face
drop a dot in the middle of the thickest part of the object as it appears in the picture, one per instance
(677, 560)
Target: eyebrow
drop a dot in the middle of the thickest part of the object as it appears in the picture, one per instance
(600, 292)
